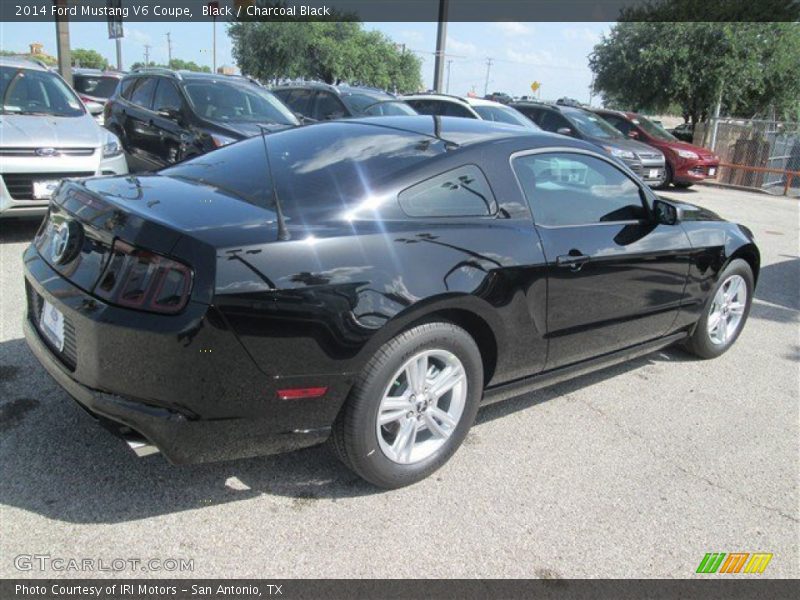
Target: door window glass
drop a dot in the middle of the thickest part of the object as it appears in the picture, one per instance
(576, 189)
(143, 93)
(167, 96)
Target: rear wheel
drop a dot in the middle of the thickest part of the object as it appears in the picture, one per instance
(412, 405)
(726, 313)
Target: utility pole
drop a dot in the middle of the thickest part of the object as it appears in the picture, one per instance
(119, 54)
(489, 62)
(169, 50)
(147, 55)
(62, 43)
(449, 64)
(214, 46)
(441, 42)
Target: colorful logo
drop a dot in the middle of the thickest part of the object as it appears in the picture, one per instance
(735, 562)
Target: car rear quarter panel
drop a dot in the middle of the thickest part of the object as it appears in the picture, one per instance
(325, 303)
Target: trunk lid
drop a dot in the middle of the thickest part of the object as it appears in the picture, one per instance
(176, 218)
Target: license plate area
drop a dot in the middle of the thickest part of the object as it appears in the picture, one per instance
(652, 174)
(65, 350)
(51, 324)
(712, 171)
(43, 188)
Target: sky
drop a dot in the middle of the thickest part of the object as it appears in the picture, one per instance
(555, 54)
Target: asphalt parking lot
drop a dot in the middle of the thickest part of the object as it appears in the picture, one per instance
(635, 471)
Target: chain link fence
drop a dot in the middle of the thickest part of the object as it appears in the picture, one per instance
(755, 153)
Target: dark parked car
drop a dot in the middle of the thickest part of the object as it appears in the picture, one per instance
(684, 132)
(164, 116)
(648, 163)
(686, 164)
(94, 85)
(370, 281)
(322, 102)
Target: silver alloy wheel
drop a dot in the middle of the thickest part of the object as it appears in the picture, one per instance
(727, 310)
(422, 406)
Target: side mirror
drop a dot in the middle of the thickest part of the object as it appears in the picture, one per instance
(564, 131)
(667, 213)
(94, 108)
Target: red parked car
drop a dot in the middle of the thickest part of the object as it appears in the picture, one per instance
(686, 164)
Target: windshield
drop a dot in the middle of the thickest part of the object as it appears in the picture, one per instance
(224, 101)
(390, 108)
(30, 92)
(95, 85)
(654, 130)
(504, 114)
(358, 103)
(593, 126)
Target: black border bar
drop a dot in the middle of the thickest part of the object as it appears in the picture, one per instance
(412, 10)
(709, 588)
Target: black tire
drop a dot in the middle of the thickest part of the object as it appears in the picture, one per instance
(355, 437)
(667, 178)
(682, 186)
(700, 343)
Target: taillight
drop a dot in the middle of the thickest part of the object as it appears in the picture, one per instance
(144, 280)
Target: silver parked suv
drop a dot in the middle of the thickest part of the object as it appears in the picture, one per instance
(46, 135)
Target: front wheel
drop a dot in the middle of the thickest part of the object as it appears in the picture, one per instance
(726, 313)
(667, 178)
(412, 405)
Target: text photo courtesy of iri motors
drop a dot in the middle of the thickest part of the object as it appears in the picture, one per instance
(372, 299)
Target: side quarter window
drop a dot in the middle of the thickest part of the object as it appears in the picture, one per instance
(462, 192)
(567, 189)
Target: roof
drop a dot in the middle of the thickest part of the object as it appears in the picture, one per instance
(482, 102)
(464, 132)
(97, 72)
(556, 107)
(342, 90)
(22, 63)
(434, 96)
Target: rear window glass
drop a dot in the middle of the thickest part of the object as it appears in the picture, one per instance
(94, 85)
(320, 168)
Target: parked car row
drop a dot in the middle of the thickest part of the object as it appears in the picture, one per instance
(47, 134)
(157, 117)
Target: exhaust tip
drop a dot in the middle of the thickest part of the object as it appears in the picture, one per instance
(141, 448)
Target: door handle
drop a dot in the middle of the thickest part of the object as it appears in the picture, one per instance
(574, 261)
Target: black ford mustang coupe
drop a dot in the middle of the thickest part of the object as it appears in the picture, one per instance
(368, 281)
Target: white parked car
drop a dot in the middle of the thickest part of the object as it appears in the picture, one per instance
(46, 135)
(444, 105)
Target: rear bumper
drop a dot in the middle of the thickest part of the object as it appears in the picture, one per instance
(155, 379)
(179, 439)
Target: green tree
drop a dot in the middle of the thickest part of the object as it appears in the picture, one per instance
(175, 63)
(187, 65)
(89, 59)
(650, 65)
(329, 51)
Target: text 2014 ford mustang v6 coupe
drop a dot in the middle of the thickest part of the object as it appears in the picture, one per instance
(370, 281)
